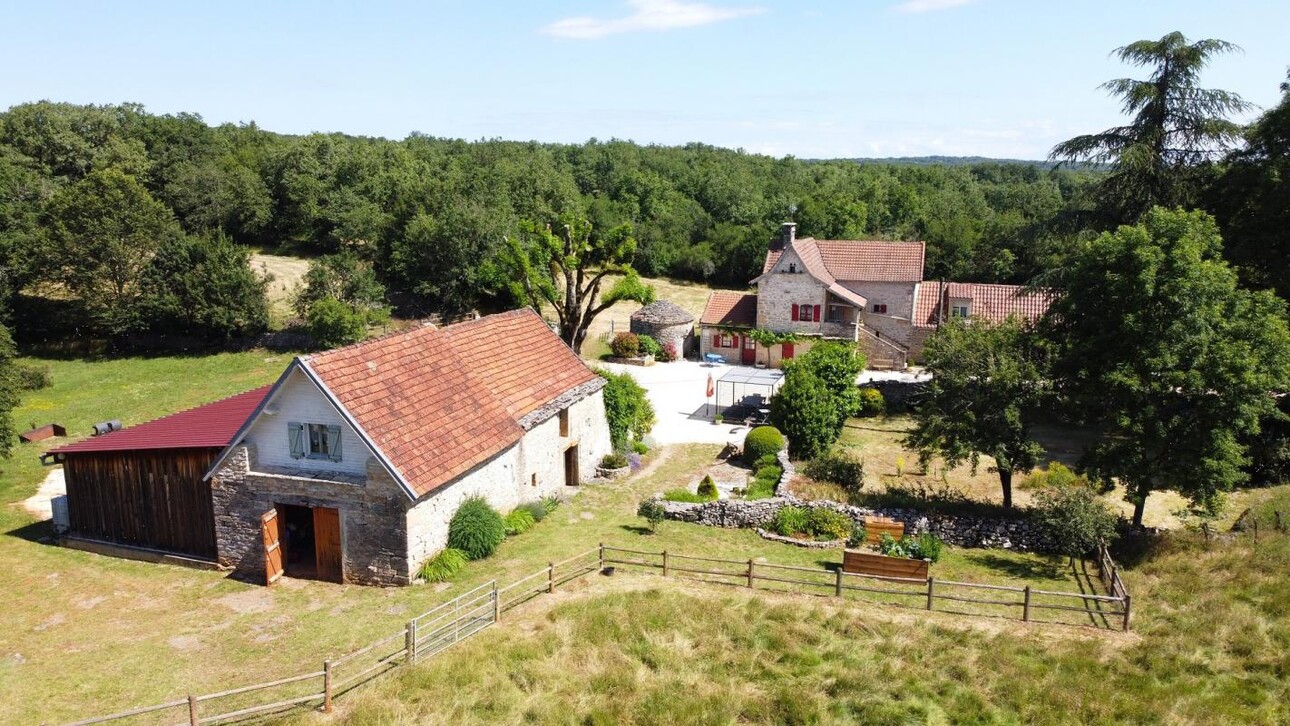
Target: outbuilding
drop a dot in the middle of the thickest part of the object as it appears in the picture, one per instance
(141, 491)
(667, 323)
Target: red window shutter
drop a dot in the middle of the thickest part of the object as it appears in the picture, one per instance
(716, 340)
(815, 314)
(794, 311)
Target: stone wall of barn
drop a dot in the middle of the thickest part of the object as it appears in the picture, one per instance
(372, 506)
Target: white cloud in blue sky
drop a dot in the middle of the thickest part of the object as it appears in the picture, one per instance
(927, 6)
(648, 15)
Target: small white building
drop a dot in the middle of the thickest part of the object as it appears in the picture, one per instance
(357, 458)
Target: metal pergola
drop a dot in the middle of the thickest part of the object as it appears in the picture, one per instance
(747, 389)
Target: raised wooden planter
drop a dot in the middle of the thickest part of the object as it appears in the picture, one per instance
(859, 562)
(876, 527)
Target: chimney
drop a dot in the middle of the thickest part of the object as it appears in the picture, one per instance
(787, 234)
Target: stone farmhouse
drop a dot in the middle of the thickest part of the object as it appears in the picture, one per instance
(869, 292)
(351, 465)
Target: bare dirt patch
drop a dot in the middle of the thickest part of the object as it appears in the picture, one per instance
(248, 602)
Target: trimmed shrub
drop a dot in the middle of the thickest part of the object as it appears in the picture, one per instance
(708, 489)
(762, 441)
(683, 495)
(535, 509)
(626, 345)
(652, 511)
(476, 529)
(790, 521)
(869, 403)
(649, 346)
(518, 521)
(444, 565)
(827, 524)
(767, 460)
(614, 460)
(806, 410)
(639, 447)
(839, 468)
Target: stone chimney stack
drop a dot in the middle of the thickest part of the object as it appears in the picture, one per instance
(787, 234)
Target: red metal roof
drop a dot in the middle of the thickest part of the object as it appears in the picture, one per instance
(211, 426)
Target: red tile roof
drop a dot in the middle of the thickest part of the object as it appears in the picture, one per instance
(858, 260)
(989, 302)
(439, 401)
(734, 309)
(211, 426)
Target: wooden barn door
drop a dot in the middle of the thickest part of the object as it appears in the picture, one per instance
(571, 478)
(327, 543)
(271, 528)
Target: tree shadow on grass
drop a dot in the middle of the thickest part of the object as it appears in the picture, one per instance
(1051, 568)
(636, 528)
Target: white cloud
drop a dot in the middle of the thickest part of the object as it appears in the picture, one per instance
(929, 6)
(651, 15)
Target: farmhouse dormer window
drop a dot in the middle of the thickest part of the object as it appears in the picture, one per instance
(792, 267)
(959, 311)
(314, 441)
(880, 308)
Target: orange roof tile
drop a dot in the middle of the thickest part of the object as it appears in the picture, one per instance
(986, 301)
(735, 309)
(439, 401)
(858, 260)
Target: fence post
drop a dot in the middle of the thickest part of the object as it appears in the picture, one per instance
(837, 583)
(602, 556)
(1256, 529)
(1277, 515)
(410, 641)
(664, 563)
(750, 572)
(497, 604)
(930, 581)
(1127, 608)
(1025, 610)
(326, 686)
(550, 578)
(192, 710)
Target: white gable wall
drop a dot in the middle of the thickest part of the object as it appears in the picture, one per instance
(299, 400)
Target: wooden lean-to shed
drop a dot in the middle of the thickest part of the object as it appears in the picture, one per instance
(143, 486)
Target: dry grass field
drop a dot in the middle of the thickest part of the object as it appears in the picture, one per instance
(889, 465)
(285, 273)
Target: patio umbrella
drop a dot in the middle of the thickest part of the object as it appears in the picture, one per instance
(709, 392)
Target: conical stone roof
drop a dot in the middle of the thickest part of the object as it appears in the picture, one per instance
(663, 312)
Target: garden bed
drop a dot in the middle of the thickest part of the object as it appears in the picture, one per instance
(860, 562)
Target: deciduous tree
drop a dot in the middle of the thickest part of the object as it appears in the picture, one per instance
(986, 378)
(565, 269)
(1158, 346)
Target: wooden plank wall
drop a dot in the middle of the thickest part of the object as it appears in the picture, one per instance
(153, 498)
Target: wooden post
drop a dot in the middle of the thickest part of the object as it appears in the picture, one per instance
(602, 556)
(1127, 609)
(497, 604)
(664, 563)
(326, 686)
(1025, 608)
(550, 578)
(930, 582)
(1256, 528)
(1277, 515)
(410, 641)
(837, 583)
(750, 572)
(192, 710)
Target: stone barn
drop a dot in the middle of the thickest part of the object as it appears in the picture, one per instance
(353, 464)
(668, 323)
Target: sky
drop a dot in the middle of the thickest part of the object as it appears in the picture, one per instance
(812, 79)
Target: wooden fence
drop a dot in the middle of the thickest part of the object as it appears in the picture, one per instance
(422, 637)
(438, 629)
(927, 593)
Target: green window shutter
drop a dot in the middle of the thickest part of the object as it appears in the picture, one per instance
(333, 442)
(296, 439)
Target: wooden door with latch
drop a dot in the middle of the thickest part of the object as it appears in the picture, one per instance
(271, 529)
(327, 543)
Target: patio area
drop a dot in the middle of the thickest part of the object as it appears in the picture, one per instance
(676, 390)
